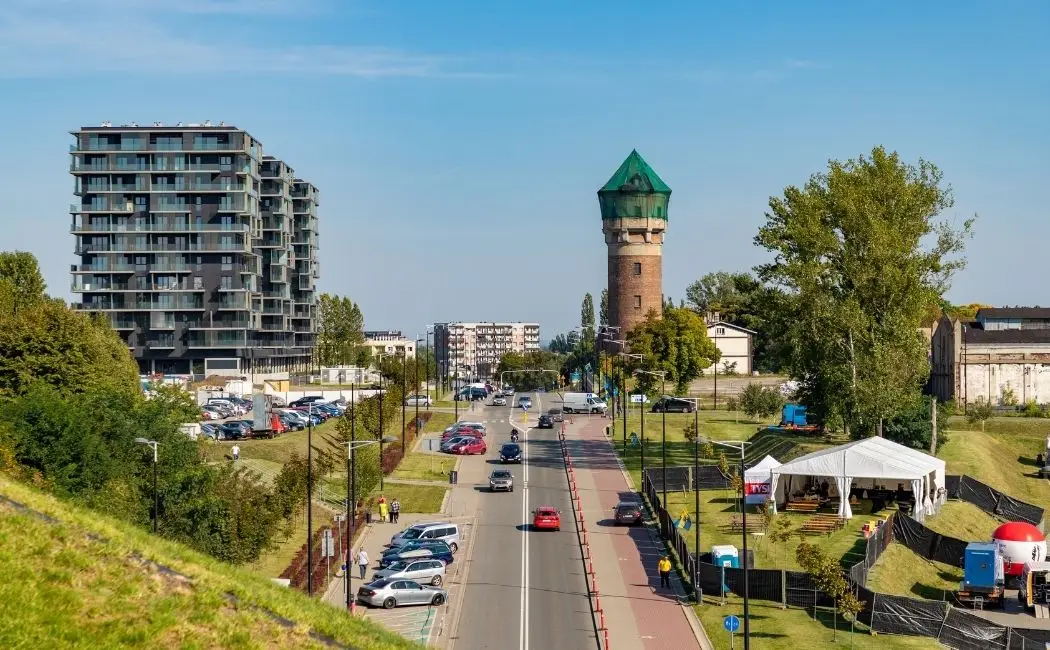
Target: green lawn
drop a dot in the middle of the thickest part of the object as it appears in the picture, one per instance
(277, 559)
(416, 498)
(277, 450)
(773, 628)
(1003, 455)
(901, 572)
(438, 421)
(421, 466)
(82, 580)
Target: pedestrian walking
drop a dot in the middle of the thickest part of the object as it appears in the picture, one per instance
(236, 452)
(383, 509)
(362, 561)
(395, 510)
(665, 571)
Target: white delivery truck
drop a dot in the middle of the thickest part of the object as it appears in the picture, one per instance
(582, 403)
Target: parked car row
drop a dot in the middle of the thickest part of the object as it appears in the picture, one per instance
(464, 438)
(412, 569)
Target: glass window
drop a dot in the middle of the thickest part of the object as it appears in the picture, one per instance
(637, 268)
(227, 262)
(226, 282)
(637, 302)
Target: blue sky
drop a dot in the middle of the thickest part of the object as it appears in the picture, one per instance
(458, 145)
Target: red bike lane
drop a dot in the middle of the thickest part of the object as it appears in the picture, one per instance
(625, 558)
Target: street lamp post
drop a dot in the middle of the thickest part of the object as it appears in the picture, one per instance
(156, 499)
(626, 402)
(309, 501)
(662, 374)
(351, 496)
(404, 390)
(416, 394)
(381, 432)
(740, 445)
(426, 371)
(351, 449)
(696, 502)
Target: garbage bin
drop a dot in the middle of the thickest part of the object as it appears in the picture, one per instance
(453, 477)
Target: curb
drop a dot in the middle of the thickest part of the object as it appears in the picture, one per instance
(698, 629)
(592, 592)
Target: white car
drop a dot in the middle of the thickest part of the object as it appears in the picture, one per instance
(499, 401)
(418, 400)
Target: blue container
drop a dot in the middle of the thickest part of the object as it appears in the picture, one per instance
(979, 564)
(794, 414)
(725, 556)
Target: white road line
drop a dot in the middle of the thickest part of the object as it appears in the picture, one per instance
(523, 636)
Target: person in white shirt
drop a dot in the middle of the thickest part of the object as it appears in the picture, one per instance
(236, 451)
(362, 561)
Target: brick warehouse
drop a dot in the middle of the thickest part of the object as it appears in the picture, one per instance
(634, 217)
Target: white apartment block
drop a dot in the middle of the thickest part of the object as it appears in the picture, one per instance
(390, 342)
(476, 348)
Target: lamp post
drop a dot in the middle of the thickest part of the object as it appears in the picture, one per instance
(404, 390)
(309, 501)
(626, 401)
(416, 394)
(696, 501)
(426, 371)
(382, 429)
(351, 449)
(156, 499)
(662, 374)
(740, 445)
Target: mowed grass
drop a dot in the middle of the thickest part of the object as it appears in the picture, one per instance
(289, 541)
(773, 628)
(1003, 455)
(422, 466)
(87, 581)
(901, 572)
(439, 421)
(416, 498)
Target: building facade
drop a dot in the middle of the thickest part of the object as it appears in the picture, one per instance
(475, 349)
(391, 342)
(1002, 355)
(634, 218)
(200, 250)
(734, 343)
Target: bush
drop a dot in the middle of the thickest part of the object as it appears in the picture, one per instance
(1033, 410)
(732, 404)
(760, 402)
(1008, 397)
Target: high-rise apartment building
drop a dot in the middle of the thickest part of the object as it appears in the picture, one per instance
(200, 250)
(476, 348)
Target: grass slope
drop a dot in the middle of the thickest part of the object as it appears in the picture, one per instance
(82, 580)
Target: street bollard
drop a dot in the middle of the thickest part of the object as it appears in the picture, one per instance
(606, 639)
(590, 568)
(601, 617)
(598, 608)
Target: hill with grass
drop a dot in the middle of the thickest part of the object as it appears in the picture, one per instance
(76, 579)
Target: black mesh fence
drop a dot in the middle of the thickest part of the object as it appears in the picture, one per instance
(873, 549)
(902, 615)
(709, 477)
(995, 502)
(927, 543)
(968, 632)
(1024, 639)
(677, 478)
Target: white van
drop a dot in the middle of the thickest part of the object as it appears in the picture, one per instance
(582, 403)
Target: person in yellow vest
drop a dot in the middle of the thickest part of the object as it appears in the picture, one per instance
(665, 571)
(382, 508)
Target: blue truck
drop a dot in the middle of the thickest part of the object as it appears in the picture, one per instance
(793, 419)
(983, 582)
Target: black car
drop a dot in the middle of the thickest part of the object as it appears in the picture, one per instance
(306, 401)
(673, 405)
(628, 513)
(235, 430)
(510, 453)
(546, 422)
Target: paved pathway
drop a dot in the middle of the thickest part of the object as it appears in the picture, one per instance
(638, 612)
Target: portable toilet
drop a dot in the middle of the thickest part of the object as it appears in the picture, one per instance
(725, 555)
(982, 566)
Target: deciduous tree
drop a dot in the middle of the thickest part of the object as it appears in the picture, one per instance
(861, 256)
(676, 344)
(587, 319)
(340, 335)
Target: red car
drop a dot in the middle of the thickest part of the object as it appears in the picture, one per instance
(473, 446)
(546, 518)
(461, 432)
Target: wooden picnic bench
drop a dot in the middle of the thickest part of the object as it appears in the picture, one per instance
(754, 524)
(802, 506)
(822, 524)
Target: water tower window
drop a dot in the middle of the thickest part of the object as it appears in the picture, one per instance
(637, 268)
(637, 302)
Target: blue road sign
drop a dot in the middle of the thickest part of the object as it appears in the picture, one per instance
(575, 377)
(731, 623)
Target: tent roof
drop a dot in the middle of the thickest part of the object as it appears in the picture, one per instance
(868, 458)
(765, 464)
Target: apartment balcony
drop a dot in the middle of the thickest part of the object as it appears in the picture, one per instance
(110, 205)
(222, 325)
(102, 268)
(233, 339)
(177, 227)
(160, 342)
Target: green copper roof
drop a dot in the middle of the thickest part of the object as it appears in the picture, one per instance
(635, 175)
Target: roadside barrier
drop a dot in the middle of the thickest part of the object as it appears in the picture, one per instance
(597, 614)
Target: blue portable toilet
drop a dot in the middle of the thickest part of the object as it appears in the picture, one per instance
(982, 566)
(725, 555)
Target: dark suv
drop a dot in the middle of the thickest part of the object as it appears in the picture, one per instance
(546, 422)
(673, 405)
(628, 513)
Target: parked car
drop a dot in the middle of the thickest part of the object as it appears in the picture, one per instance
(235, 430)
(290, 423)
(447, 445)
(210, 430)
(510, 453)
(306, 401)
(392, 593)
(545, 422)
(443, 531)
(546, 518)
(424, 570)
(499, 400)
(208, 414)
(501, 479)
(418, 400)
(419, 548)
(668, 404)
(628, 513)
(470, 446)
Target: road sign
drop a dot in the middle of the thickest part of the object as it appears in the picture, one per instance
(731, 623)
(575, 377)
(327, 544)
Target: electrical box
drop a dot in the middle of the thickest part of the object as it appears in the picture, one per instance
(982, 566)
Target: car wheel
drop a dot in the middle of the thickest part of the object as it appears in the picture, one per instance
(389, 603)
(454, 546)
(439, 599)
(436, 581)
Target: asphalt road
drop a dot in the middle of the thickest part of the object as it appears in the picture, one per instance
(525, 588)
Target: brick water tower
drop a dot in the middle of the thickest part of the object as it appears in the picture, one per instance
(634, 218)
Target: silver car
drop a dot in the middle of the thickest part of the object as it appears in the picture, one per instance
(422, 570)
(391, 593)
(499, 401)
(501, 479)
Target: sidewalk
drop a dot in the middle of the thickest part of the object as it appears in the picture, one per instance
(638, 612)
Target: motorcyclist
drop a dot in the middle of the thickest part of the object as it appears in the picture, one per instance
(513, 435)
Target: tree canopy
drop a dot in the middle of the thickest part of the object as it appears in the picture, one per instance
(340, 333)
(676, 344)
(861, 257)
(513, 362)
(587, 330)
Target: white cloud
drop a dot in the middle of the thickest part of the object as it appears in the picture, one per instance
(64, 37)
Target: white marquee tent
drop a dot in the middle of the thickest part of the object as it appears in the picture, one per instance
(758, 482)
(870, 462)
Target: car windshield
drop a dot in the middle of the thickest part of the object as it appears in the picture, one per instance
(412, 533)
(626, 507)
(500, 474)
(396, 566)
(511, 449)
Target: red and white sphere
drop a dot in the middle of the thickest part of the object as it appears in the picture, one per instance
(1019, 542)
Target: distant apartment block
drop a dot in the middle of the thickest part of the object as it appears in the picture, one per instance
(199, 249)
(476, 348)
(390, 342)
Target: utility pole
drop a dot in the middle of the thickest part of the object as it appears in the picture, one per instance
(933, 424)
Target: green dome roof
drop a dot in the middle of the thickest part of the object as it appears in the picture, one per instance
(635, 176)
